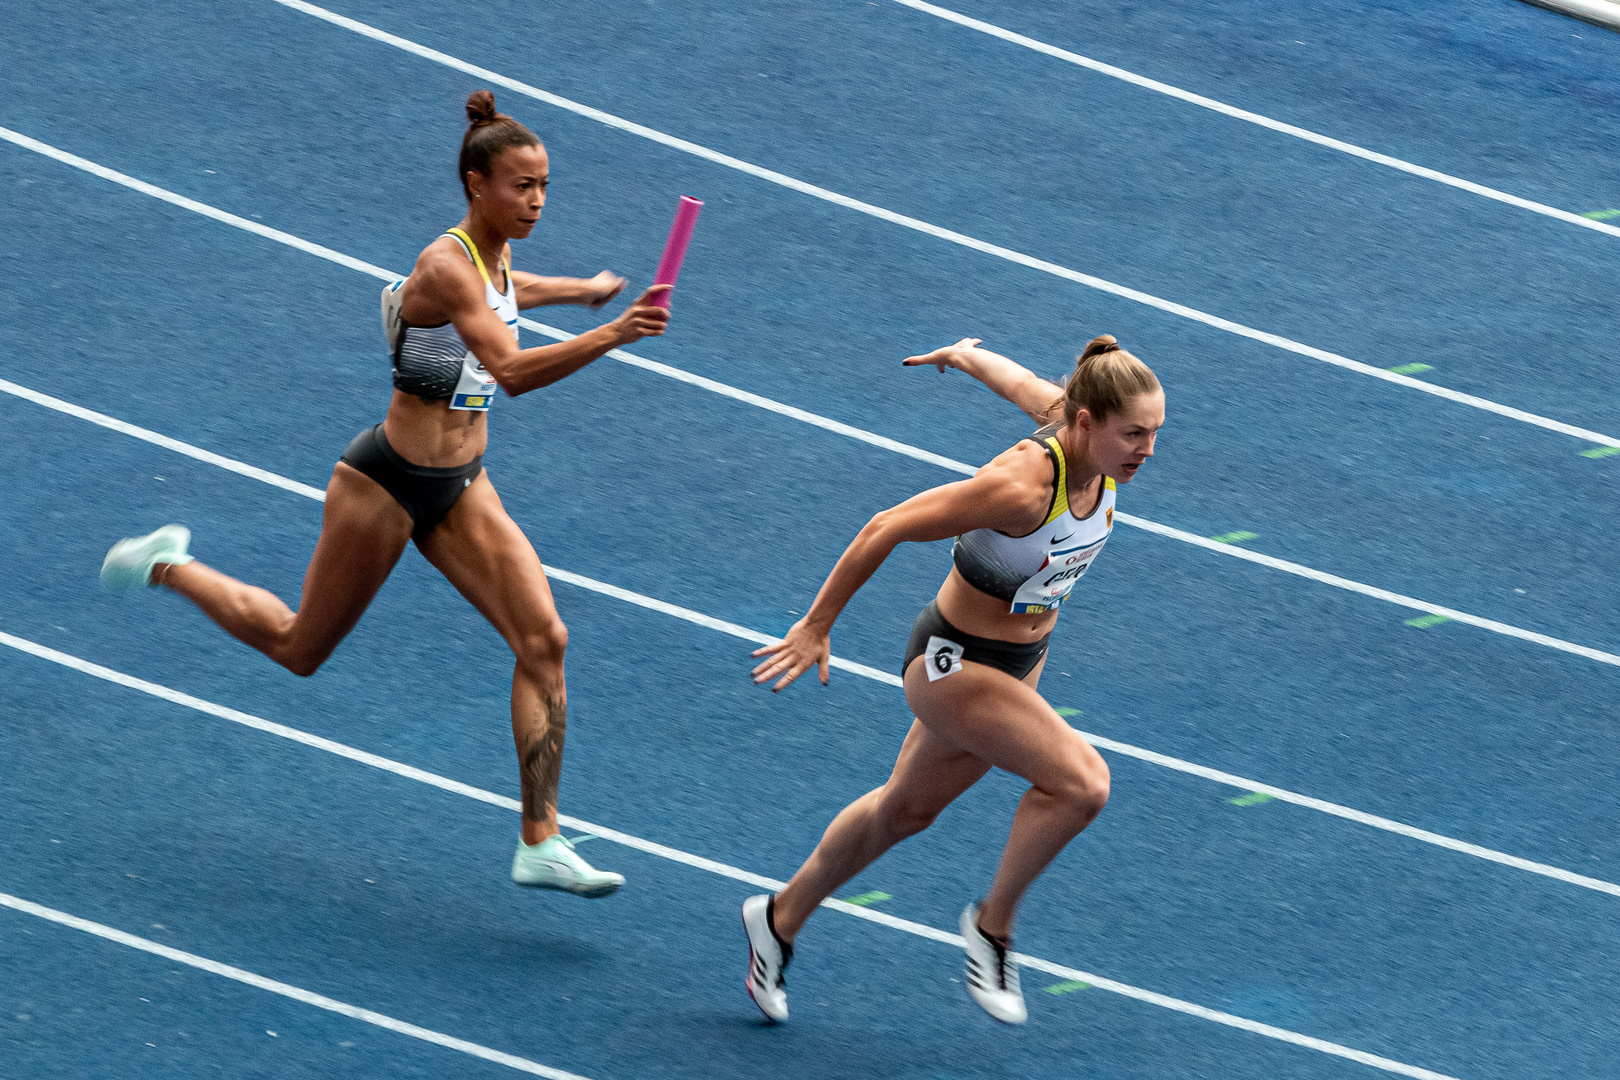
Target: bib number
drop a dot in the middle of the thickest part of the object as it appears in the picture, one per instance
(943, 657)
(1051, 584)
(475, 389)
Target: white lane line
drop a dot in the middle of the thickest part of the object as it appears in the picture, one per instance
(701, 863)
(196, 452)
(307, 997)
(698, 618)
(1256, 118)
(1088, 280)
(802, 415)
(1230, 550)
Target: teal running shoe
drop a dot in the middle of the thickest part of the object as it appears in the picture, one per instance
(553, 864)
(128, 565)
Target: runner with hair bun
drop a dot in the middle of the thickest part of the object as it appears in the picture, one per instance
(419, 475)
(1027, 526)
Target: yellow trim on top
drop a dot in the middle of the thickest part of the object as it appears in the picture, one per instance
(1060, 497)
(1108, 481)
(472, 249)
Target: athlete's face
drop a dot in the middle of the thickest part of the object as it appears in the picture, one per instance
(1119, 445)
(511, 196)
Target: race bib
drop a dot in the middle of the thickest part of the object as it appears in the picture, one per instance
(1050, 585)
(475, 389)
(942, 658)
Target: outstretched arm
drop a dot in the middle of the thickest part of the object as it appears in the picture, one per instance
(1012, 380)
(536, 291)
(1010, 493)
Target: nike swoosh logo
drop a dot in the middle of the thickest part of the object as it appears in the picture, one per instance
(1059, 539)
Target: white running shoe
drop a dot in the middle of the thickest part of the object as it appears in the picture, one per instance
(992, 974)
(768, 958)
(553, 864)
(128, 565)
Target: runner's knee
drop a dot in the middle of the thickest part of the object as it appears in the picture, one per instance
(542, 647)
(303, 660)
(1083, 787)
(297, 654)
(899, 817)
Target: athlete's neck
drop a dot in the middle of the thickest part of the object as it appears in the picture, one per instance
(491, 242)
(1083, 475)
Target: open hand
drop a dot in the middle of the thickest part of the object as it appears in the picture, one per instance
(794, 655)
(600, 289)
(642, 318)
(950, 356)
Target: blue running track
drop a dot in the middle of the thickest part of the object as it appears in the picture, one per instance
(1288, 938)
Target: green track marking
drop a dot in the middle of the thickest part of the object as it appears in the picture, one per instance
(1068, 987)
(1234, 537)
(1601, 215)
(1066, 711)
(1411, 369)
(1425, 621)
(1253, 798)
(866, 899)
(1601, 451)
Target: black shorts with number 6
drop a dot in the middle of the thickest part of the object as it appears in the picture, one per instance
(1016, 659)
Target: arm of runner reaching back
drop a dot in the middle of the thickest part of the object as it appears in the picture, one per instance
(1041, 400)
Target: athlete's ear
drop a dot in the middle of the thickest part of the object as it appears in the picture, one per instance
(475, 183)
(1084, 422)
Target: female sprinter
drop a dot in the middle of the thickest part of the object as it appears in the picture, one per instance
(1027, 526)
(452, 327)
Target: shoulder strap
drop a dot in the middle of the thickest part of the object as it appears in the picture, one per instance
(1060, 473)
(1060, 485)
(472, 253)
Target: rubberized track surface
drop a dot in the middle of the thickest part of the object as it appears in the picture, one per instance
(380, 892)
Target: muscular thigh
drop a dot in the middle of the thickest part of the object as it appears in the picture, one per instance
(483, 553)
(1000, 720)
(363, 533)
(930, 773)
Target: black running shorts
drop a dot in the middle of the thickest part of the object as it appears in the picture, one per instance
(426, 494)
(953, 646)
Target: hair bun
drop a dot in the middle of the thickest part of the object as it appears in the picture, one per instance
(1104, 343)
(481, 108)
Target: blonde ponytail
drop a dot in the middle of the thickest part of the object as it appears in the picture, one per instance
(1105, 378)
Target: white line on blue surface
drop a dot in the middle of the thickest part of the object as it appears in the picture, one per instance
(307, 997)
(1088, 280)
(1230, 550)
(1256, 118)
(865, 671)
(714, 386)
(676, 855)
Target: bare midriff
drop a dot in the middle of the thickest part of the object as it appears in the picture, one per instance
(982, 615)
(429, 434)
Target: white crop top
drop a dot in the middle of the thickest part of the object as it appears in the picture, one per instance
(1035, 572)
(432, 362)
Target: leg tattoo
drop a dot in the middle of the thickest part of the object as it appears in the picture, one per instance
(542, 763)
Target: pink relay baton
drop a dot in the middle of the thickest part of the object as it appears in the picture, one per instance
(680, 234)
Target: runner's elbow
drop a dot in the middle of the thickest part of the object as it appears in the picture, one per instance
(886, 529)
